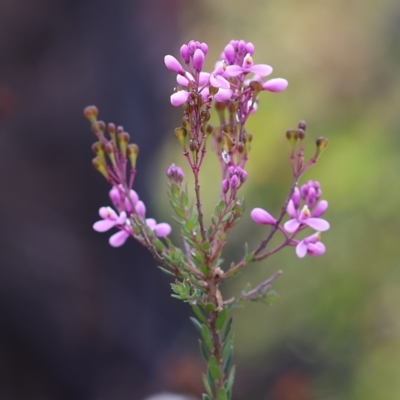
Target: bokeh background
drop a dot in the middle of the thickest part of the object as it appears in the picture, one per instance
(80, 320)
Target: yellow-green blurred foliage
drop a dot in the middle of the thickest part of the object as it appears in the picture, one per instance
(337, 315)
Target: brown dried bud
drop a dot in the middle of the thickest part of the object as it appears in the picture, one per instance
(240, 147)
(300, 134)
(133, 151)
(322, 144)
(302, 125)
(193, 144)
(100, 165)
(205, 115)
(91, 113)
(209, 129)
(123, 140)
(233, 106)
(109, 148)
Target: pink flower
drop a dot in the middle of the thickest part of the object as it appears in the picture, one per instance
(262, 217)
(161, 230)
(110, 219)
(303, 217)
(275, 85)
(180, 97)
(249, 66)
(173, 64)
(311, 245)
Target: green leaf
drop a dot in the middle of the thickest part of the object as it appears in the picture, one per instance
(222, 395)
(221, 206)
(199, 314)
(158, 244)
(205, 246)
(214, 368)
(227, 360)
(180, 212)
(246, 249)
(209, 307)
(220, 322)
(227, 346)
(207, 385)
(206, 335)
(203, 351)
(204, 269)
(231, 379)
(175, 190)
(249, 258)
(227, 329)
(184, 199)
(206, 397)
(166, 271)
(227, 217)
(196, 323)
(190, 225)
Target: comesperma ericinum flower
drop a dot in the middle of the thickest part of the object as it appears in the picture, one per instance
(303, 217)
(249, 67)
(310, 245)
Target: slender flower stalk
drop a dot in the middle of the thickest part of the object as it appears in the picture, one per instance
(230, 92)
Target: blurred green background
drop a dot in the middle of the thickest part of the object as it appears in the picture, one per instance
(334, 332)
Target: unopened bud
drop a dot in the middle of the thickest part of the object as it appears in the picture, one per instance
(291, 135)
(300, 134)
(123, 140)
(175, 174)
(205, 115)
(111, 130)
(100, 165)
(322, 144)
(180, 134)
(91, 113)
(302, 125)
(133, 151)
(109, 148)
(225, 186)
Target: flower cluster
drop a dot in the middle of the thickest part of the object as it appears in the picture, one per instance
(305, 209)
(111, 218)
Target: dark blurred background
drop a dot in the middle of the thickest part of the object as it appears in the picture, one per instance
(81, 320)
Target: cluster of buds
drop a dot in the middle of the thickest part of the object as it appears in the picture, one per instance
(236, 178)
(116, 161)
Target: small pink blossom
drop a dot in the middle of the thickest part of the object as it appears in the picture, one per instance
(247, 67)
(180, 97)
(161, 230)
(275, 85)
(173, 64)
(262, 217)
(119, 238)
(303, 217)
(311, 245)
(110, 219)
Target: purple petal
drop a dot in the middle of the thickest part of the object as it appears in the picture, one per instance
(205, 93)
(203, 78)
(108, 213)
(316, 249)
(173, 64)
(320, 209)
(103, 225)
(261, 69)
(223, 95)
(115, 196)
(183, 80)
(275, 85)
(118, 239)
(301, 249)
(180, 97)
(151, 223)
(292, 225)
(121, 219)
(162, 229)
(318, 224)
(261, 216)
(291, 210)
(234, 70)
(140, 209)
(198, 60)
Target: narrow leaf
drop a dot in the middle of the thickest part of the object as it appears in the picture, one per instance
(227, 360)
(199, 314)
(222, 395)
(227, 329)
(167, 272)
(227, 217)
(158, 244)
(219, 324)
(196, 324)
(214, 368)
(207, 385)
(205, 246)
(231, 379)
(203, 351)
(227, 346)
(180, 212)
(206, 335)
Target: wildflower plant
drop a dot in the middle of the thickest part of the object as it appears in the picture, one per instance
(233, 90)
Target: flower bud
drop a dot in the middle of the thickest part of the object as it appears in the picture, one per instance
(302, 125)
(133, 151)
(185, 53)
(225, 186)
(180, 134)
(198, 60)
(173, 65)
(100, 166)
(229, 53)
(123, 140)
(91, 113)
(234, 181)
(322, 144)
(204, 48)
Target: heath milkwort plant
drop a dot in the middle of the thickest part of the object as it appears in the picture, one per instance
(233, 90)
